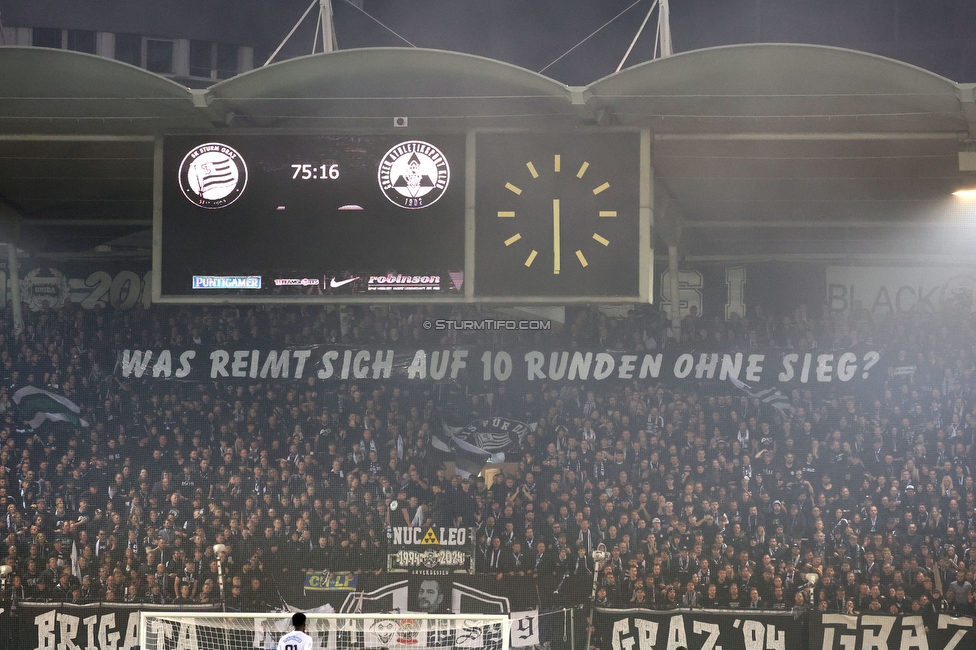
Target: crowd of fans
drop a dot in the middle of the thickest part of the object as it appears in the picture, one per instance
(702, 495)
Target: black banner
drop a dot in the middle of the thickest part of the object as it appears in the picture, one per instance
(757, 368)
(889, 632)
(96, 626)
(463, 593)
(639, 629)
(121, 284)
(431, 551)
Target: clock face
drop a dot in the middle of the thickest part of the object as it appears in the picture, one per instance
(557, 215)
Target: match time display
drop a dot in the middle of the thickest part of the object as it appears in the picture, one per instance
(310, 215)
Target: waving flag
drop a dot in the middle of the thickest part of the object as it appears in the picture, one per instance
(770, 396)
(484, 439)
(37, 405)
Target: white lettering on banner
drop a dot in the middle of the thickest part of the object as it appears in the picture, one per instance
(690, 284)
(187, 637)
(690, 292)
(439, 365)
(945, 622)
(711, 629)
(68, 628)
(46, 639)
(135, 363)
(50, 288)
(890, 291)
(759, 636)
(642, 634)
(430, 559)
(442, 361)
(876, 632)
(382, 364)
(822, 369)
(418, 535)
(247, 363)
(525, 628)
(735, 283)
(621, 636)
(677, 638)
(754, 366)
(60, 631)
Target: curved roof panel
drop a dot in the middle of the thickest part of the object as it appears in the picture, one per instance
(779, 87)
(47, 90)
(367, 87)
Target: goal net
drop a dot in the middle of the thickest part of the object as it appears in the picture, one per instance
(223, 631)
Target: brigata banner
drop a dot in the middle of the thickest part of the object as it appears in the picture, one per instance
(64, 626)
(756, 368)
(888, 632)
(641, 629)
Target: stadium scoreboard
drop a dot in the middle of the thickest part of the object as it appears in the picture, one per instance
(486, 216)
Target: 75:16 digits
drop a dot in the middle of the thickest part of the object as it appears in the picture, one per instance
(308, 171)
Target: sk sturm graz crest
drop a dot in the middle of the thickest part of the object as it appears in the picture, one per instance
(414, 174)
(213, 176)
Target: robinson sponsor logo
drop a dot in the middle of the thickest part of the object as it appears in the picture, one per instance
(399, 282)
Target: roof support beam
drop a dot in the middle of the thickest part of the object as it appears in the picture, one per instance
(66, 137)
(967, 100)
(774, 137)
(11, 220)
(877, 223)
(60, 223)
(874, 258)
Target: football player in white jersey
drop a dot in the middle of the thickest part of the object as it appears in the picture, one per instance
(297, 640)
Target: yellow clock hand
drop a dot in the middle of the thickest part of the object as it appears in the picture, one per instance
(555, 236)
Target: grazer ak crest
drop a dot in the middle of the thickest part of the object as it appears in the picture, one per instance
(213, 175)
(414, 174)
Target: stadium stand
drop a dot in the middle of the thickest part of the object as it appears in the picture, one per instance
(703, 497)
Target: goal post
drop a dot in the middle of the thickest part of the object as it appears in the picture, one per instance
(181, 630)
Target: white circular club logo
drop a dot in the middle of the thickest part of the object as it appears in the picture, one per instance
(213, 176)
(414, 174)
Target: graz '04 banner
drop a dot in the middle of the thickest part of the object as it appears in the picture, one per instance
(887, 632)
(637, 629)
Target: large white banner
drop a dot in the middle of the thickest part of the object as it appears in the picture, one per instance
(525, 628)
(895, 290)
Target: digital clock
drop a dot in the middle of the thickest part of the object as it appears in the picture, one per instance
(310, 171)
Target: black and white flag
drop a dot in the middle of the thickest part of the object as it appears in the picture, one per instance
(770, 396)
(482, 440)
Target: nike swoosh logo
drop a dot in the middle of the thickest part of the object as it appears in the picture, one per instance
(336, 285)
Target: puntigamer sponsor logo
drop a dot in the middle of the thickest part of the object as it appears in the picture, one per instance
(226, 281)
(398, 282)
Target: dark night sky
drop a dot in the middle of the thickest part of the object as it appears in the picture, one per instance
(934, 34)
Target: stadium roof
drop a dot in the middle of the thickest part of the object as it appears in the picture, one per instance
(760, 151)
